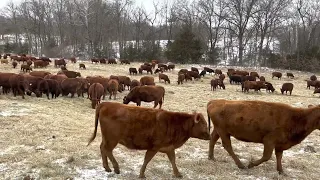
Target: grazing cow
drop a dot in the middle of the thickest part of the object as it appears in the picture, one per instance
(286, 87)
(54, 88)
(184, 71)
(195, 69)
(122, 61)
(124, 81)
(133, 71)
(36, 85)
(16, 82)
(4, 61)
(315, 84)
(113, 86)
(146, 94)
(215, 82)
(237, 79)
(290, 75)
(158, 70)
(134, 83)
(194, 74)
(181, 77)
(262, 78)
(41, 74)
(256, 85)
(254, 74)
(95, 92)
(145, 68)
(209, 70)
(203, 72)
(14, 64)
(165, 67)
(81, 65)
(222, 77)
(103, 61)
(313, 77)
(40, 63)
(147, 80)
(277, 74)
(277, 126)
(145, 129)
(72, 74)
(217, 72)
(25, 68)
(164, 77)
(70, 85)
(248, 78)
(112, 61)
(60, 62)
(269, 87)
(171, 66)
(101, 80)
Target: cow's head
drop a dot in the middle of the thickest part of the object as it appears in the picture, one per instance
(200, 128)
(78, 74)
(126, 100)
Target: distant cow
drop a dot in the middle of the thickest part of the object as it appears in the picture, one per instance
(217, 72)
(254, 74)
(262, 78)
(290, 75)
(40, 63)
(113, 86)
(146, 68)
(73, 60)
(203, 73)
(164, 77)
(315, 84)
(256, 85)
(215, 83)
(237, 79)
(277, 126)
(81, 65)
(71, 74)
(147, 80)
(25, 68)
(146, 94)
(195, 69)
(286, 87)
(194, 74)
(112, 61)
(103, 61)
(184, 71)
(313, 77)
(145, 129)
(134, 83)
(60, 62)
(14, 64)
(133, 71)
(181, 77)
(277, 74)
(95, 92)
(123, 61)
(209, 70)
(94, 60)
(171, 66)
(158, 70)
(222, 77)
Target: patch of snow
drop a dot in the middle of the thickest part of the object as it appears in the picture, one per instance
(15, 112)
(92, 174)
(15, 149)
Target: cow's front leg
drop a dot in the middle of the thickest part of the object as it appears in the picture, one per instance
(172, 157)
(149, 155)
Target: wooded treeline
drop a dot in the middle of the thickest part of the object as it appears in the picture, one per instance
(273, 33)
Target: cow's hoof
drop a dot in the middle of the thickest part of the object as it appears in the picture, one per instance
(117, 171)
(178, 175)
(251, 165)
(142, 176)
(107, 169)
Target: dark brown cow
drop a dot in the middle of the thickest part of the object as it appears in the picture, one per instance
(134, 83)
(184, 71)
(45, 59)
(278, 126)
(237, 79)
(41, 74)
(313, 77)
(147, 80)
(14, 64)
(124, 81)
(124, 61)
(256, 85)
(203, 73)
(96, 91)
(269, 87)
(164, 66)
(181, 77)
(112, 61)
(222, 77)
(164, 77)
(25, 68)
(195, 69)
(113, 86)
(209, 70)
(103, 61)
(133, 71)
(277, 74)
(286, 87)
(217, 72)
(60, 62)
(145, 129)
(140, 70)
(194, 74)
(70, 86)
(146, 94)
(84, 86)
(94, 60)
(248, 78)
(171, 66)
(262, 78)
(42, 88)
(73, 60)
(158, 70)
(72, 74)
(290, 75)
(215, 83)
(315, 84)
(40, 63)
(146, 68)
(254, 74)
(81, 65)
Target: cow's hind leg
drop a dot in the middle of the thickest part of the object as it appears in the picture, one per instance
(149, 155)
(155, 103)
(267, 153)
(279, 157)
(109, 146)
(226, 142)
(104, 157)
(214, 138)
(172, 157)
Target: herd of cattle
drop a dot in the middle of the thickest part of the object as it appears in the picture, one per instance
(277, 126)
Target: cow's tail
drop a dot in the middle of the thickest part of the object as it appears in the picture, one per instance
(95, 124)
(209, 120)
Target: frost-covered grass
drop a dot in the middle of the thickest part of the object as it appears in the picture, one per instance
(45, 139)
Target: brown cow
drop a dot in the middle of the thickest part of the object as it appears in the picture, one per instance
(290, 75)
(25, 68)
(222, 77)
(134, 83)
(315, 84)
(70, 85)
(17, 84)
(60, 62)
(54, 88)
(94, 60)
(164, 77)
(72, 74)
(256, 85)
(39, 73)
(181, 77)
(278, 126)
(73, 60)
(81, 65)
(103, 61)
(217, 72)
(145, 129)
(113, 87)
(40, 63)
(194, 74)
(313, 77)
(269, 87)
(36, 85)
(112, 61)
(14, 64)
(158, 70)
(84, 86)
(147, 80)
(101, 80)
(195, 69)
(29, 62)
(286, 87)
(215, 82)
(262, 78)
(171, 66)
(146, 94)
(277, 74)
(146, 68)
(59, 77)
(133, 71)
(140, 70)
(254, 74)
(184, 71)
(124, 61)
(4, 82)
(124, 81)
(96, 91)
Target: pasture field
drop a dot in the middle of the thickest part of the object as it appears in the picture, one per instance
(46, 139)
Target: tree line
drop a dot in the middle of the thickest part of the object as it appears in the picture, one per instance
(272, 33)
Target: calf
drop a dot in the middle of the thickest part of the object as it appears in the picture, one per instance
(181, 77)
(203, 72)
(25, 68)
(147, 80)
(134, 83)
(95, 92)
(269, 87)
(290, 75)
(81, 65)
(14, 64)
(133, 71)
(145, 129)
(277, 74)
(286, 87)
(146, 94)
(277, 126)
(164, 77)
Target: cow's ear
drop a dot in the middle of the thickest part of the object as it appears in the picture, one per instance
(196, 117)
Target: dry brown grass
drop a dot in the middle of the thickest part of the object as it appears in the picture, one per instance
(46, 139)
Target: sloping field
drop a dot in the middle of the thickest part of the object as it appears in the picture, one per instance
(46, 139)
